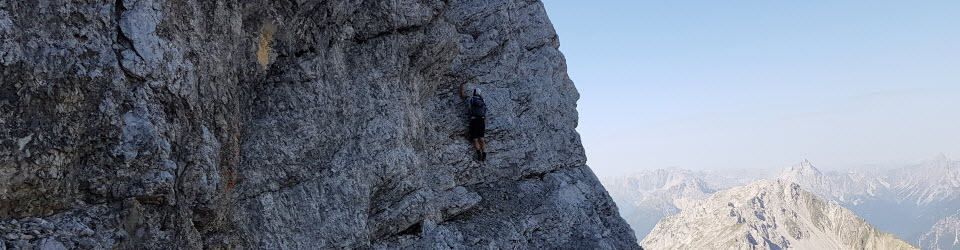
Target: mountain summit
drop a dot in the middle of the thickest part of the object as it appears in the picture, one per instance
(905, 201)
(850, 188)
(806, 166)
(768, 214)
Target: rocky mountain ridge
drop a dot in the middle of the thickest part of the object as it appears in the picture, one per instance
(646, 197)
(848, 188)
(290, 124)
(945, 234)
(905, 201)
(768, 214)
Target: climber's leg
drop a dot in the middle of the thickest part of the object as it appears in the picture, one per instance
(476, 147)
(476, 143)
(483, 149)
(483, 144)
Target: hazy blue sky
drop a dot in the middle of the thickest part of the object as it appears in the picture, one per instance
(752, 84)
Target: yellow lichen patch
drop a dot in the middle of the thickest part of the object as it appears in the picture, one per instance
(263, 47)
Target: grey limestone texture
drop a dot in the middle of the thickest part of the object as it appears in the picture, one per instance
(296, 124)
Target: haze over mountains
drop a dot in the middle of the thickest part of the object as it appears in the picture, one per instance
(768, 214)
(646, 197)
(906, 202)
(943, 235)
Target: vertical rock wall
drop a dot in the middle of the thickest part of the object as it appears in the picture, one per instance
(296, 124)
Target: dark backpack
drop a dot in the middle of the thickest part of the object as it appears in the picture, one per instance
(477, 107)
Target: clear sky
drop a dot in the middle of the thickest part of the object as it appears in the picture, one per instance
(762, 84)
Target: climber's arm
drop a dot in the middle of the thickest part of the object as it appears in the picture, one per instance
(463, 90)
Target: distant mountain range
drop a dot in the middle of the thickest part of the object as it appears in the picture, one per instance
(648, 196)
(768, 214)
(945, 234)
(906, 201)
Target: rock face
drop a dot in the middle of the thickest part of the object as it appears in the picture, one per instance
(943, 235)
(293, 124)
(768, 214)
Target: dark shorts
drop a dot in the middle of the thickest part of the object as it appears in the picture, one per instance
(477, 126)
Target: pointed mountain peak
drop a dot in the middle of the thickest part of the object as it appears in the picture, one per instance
(940, 158)
(717, 222)
(804, 168)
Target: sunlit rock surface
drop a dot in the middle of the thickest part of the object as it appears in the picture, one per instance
(645, 197)
(768, 214)
(905, 201)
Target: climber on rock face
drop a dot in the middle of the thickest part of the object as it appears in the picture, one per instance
(477, 110)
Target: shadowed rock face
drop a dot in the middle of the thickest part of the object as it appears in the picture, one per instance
(299, 124)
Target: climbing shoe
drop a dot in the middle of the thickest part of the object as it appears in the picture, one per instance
(483, 156)
(479, 155)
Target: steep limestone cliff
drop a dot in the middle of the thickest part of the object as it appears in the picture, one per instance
(296, 124)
